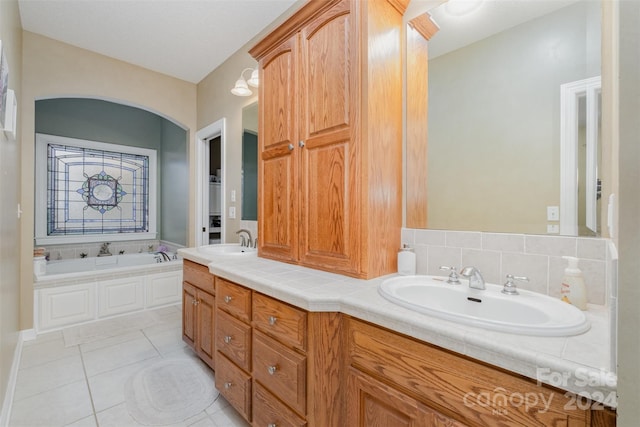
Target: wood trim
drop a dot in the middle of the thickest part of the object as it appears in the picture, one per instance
(603, 417)
(400, 5)
(417, 125)
(325, 360)
(285, 31)
(424, 25)
(380, 137)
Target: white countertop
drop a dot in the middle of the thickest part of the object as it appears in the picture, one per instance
(578, 364)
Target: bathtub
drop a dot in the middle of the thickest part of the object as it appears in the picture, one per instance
(82, 290)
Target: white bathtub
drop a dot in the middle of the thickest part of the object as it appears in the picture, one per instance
(89, 265)
(87, 289)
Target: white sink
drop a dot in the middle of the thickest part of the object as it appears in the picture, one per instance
(528, 313)
(227, 249)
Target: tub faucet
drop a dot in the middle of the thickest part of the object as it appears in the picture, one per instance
(104, 249)
(476, 281)
(165, 256)
(243, 242)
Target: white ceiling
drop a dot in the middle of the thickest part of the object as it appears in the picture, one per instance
(186, 39)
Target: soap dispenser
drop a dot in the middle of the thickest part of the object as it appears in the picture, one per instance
(573, 289)
(406, 261)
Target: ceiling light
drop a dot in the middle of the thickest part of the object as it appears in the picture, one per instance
(241, 88)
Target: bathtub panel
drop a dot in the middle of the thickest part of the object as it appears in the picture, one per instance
(119, 296)
(164, 288)
(66, 305)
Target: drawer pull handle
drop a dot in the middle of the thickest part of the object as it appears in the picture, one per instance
(196, 302)
(272, 320)
(227, 386)
(227, 339)
(290, 147)
(272, 370)
(193, 302)
(227, 299)
(272, 425)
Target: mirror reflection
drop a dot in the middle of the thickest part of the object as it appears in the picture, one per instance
(250, 162)
(494, 137)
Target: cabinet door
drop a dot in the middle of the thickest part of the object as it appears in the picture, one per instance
(278, 165)
(371, 403)
(189, 314)
(329, 160)
(205, 329)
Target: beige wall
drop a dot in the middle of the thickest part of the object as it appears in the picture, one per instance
(11, 36)
(54, 69)
(629, 236)
(215, 102)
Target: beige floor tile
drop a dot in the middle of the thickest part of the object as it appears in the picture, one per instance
(59, 407)
(118, 355)
(48, 376)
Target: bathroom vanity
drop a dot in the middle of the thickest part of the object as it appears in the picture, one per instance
(300, 347)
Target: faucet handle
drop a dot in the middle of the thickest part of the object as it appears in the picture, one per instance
(510, 287)
(453, 275)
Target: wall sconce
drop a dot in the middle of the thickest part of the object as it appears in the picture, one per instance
(241, 88)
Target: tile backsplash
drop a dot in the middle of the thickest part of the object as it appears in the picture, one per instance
(497, 254)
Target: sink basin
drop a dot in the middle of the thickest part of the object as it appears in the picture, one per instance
(227, 249)
(528, 313)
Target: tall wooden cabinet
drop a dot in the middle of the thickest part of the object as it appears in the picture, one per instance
(330, 193)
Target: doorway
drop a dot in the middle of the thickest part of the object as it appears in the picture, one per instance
(210, 184)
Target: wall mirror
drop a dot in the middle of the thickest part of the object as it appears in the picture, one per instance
(485, 121)
(250, 162)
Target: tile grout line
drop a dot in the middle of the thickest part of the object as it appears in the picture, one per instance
(86, 379)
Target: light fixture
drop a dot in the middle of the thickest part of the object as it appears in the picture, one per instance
(241, 88)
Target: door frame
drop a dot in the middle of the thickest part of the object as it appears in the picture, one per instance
(569, 94)
(203, 136)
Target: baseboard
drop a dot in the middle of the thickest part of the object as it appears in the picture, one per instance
(26, 335)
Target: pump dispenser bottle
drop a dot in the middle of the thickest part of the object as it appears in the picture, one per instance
(573, 290)
(406, 261)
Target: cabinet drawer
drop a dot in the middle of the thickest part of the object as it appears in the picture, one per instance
(280, 320)
(269, 411)
(281, 370)
(234, 385)
(442, 380)
(234, 299)
(198, 275)
(233, 339)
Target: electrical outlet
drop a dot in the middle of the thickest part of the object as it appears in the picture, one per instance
(232, 212)
(553, 229)
(553, 213)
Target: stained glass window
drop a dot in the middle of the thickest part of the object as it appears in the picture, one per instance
(96, 188)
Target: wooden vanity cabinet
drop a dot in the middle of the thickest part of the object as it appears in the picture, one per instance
(233, 345)
(330, 137)
(394, 380)
(198, 318)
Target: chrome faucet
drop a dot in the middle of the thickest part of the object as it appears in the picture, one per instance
(104, 249)
(248, 242)
(476, 281)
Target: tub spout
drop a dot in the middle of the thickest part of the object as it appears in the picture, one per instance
(165, 256)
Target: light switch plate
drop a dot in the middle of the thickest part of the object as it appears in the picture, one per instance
(553, 213)
(232, 212)
(233, 195)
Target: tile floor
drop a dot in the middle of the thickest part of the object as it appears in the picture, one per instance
(83, 385)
